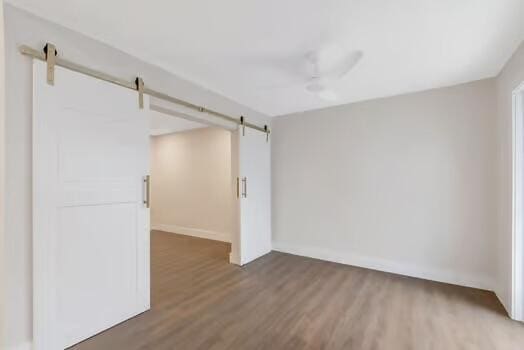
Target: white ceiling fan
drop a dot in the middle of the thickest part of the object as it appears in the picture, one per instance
(319, 71)
(328, 66)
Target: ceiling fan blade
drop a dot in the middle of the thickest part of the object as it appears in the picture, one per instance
(352, 60)
(342, 66)
(328, 95)
(321, 89)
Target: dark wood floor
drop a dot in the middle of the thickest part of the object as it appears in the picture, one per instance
(281, 301)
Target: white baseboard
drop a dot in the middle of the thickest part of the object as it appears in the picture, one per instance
(503, 298)
(439, 275)
(22, 346)
(234, 259)
(195, 232)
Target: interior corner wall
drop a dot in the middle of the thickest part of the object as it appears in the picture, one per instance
(2, 180)
(191, 183)
(404, 184)
(23, 28)
(511, 76)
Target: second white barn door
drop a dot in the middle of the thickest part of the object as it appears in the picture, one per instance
(91, 226)
(255, 194)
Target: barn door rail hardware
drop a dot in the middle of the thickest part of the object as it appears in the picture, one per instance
(49, 54)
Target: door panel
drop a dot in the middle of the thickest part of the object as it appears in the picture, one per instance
(77, 274)
(90, 226)
(255, 198)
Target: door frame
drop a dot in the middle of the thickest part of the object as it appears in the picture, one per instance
(517, 236)
(182, 112)
(236, 255)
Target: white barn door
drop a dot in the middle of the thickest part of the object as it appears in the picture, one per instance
(90, 223)
(255, 194)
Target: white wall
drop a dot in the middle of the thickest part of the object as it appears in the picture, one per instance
(403, 184)
(2, 179)
(22, 28)
(191, 183)
(508, 80)
(162, 123)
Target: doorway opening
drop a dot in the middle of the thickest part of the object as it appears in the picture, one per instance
(517, 283)
(193, 187)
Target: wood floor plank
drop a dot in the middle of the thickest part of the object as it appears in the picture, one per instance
(281, 301)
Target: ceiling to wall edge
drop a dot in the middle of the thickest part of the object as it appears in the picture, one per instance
(390, 96)
(144, 58)
(148, 60)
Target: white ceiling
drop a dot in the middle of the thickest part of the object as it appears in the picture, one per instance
(161, 124)
(248, 50)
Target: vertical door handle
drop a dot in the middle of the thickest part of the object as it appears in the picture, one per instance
(238, 187)
(147, 190)
(244, 187)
